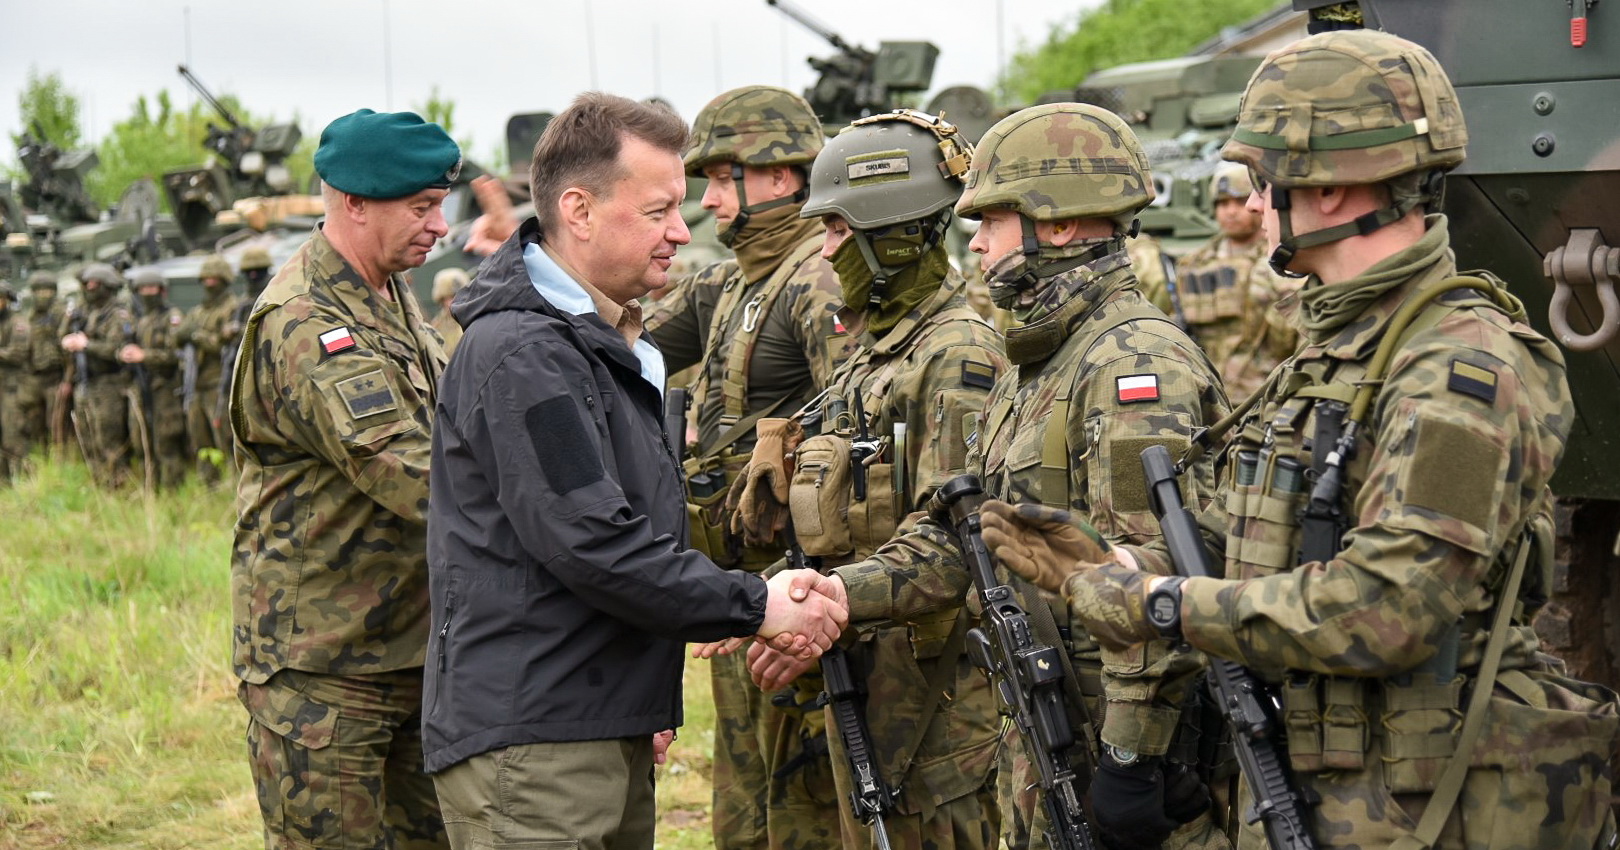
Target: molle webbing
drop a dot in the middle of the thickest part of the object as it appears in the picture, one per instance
(734, 383)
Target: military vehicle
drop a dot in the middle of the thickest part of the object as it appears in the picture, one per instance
(1535, 202)
(857, 82)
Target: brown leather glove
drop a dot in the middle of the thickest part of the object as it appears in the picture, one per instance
(1044, 545)
(758, 498)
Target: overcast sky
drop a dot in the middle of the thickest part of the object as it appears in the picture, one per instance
(318, 59)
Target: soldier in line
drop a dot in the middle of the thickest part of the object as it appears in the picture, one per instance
(1392, 614)
(255, 262)
(34, 352)
(765, 332)
(331, 410)
(445, 286)
(1231, 294)
(13, 448)
(156, 350)
(1057, 187)
(884, 187)
(94, 333)
(205, 331)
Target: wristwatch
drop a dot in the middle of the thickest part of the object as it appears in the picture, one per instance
(1164, 607)
(1121, 756)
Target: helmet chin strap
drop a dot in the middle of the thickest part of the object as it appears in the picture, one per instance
(1289, 245)
(746, 212)
(1033, 274)
(880, 272)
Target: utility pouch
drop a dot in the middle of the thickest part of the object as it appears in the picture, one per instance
(1228, 294)
(873, 520)
(819, 496)
(1344, 723)
(706, 488)
(1198, 297)
(1419, 725)
(1302, 722)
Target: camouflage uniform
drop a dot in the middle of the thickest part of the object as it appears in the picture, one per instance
(925, 363)
(1377, 648)
(34, 350)
(205, 330)
(764, 331)
(445, 286)
(156, 332)
(1230, 297)
(13, 448)
(1096, 361)
(101, 383)
(331, 411)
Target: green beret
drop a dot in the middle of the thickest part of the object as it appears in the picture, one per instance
(386, 155)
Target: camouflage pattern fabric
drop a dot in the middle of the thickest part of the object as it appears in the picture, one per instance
(101, 399)
(448, 328)
(1148, 261)
(331, 410)
(32, 351)
(157, 335)
(1230, 297)
(205, 328)
(798, 344)
(337, 761)
(754, 125)
(932, 372)
(1448, 475)
(915, 574)
(13, 446)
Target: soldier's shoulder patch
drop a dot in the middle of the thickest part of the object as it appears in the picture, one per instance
(1468, 379)
(367, 394)
(981, 375)
(336, 340)
(175, 319)
(1132, 388)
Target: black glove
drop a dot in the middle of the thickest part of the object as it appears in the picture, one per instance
(1185, 794)
(1128, 802)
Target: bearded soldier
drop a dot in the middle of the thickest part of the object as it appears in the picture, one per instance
(1384, 518)
(763, 329)
(895, 424)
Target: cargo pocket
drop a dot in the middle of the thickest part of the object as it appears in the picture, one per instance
(1116, 487)
(819, 496)
(296, 770)
(873, 520)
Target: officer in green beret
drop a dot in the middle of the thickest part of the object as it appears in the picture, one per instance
(331, 410)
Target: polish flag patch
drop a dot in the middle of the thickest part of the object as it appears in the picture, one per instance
(838, 325)
(1137, 388)
(337, 340)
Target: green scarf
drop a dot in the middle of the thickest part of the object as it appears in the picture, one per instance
(769, 237)
(909, 287)
(1030, 304)
(1324, 308)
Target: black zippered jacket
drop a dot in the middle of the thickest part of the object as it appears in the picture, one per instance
(561, 584)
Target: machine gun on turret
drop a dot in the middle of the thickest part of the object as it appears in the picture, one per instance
(858, 82)
(55, 186)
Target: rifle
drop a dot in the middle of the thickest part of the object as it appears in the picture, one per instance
(870, 799)
(1177, 315)
(1028, 675)
(188, 377)
(1243, 698)
(144, 408)
(860, 449)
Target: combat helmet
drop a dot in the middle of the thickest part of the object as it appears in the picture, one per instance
(148, 276)
(1343, 108)
(42, 280)
(216, 267)
(893, 177)
(255, 257)
(447, 283)
(757, 126)
(103, 274)
(1230, 182)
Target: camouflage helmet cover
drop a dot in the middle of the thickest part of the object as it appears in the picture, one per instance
(754, 125)
(887, 169)
(255, 257)
(1348, 107)
(42, 280)
(216, 267)
(148, 277)
(101, 273)
(1230, 182)
(448, 282)
(1059, 161)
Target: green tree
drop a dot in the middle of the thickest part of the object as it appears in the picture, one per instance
(46, 100)
(1117, 32)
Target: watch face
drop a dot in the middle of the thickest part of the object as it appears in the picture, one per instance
(1163, 608)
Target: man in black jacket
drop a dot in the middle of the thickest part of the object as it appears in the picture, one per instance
(561, 582)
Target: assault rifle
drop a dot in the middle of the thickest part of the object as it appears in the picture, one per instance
(1243, 698)
(1029, 675)
(145, 407)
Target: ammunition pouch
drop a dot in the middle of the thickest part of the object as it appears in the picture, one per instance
(819, 497)
(1211, 295)
(874, 520)
(707, 484)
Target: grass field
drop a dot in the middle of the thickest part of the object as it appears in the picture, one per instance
(119, 725)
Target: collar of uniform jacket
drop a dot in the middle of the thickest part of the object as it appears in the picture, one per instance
(1427, 262)
(562, 291)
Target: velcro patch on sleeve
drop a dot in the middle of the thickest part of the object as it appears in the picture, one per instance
(336, 340)
(568, 458)
(975, 374)
(1468, 379)
(1132, 388)
(367, 394)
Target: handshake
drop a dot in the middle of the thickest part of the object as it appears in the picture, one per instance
(805, 612)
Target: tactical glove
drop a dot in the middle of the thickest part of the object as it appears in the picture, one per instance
(758, 498)
(1111, 602)
(1044, 545)
(1185, 794)
(1129, 804)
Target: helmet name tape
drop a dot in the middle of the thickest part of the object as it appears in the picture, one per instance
(878, 167)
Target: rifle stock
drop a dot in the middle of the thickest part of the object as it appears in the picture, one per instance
(1028, 675)
(1245, 701)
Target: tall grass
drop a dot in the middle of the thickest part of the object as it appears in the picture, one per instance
(119, 725)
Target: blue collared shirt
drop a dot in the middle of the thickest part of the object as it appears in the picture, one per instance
(563, 292)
